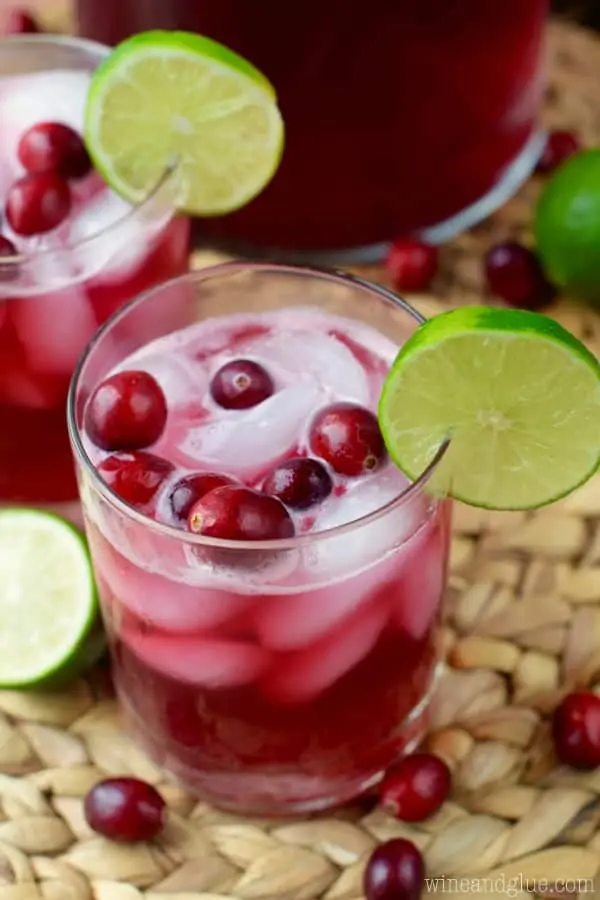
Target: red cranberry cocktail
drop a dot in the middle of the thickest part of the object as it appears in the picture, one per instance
(71, 253)
(270, 582)
(400, 115)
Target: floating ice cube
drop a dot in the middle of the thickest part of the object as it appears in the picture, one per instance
(209, 663)
(421, 584)
(366, 543)
(249, 442)
(316, 356)
(182, 379)
(303, 675)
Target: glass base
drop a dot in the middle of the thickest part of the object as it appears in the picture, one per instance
(511, 179)
(269, 793)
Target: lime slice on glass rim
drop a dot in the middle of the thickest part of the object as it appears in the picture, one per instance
(514, 394)
(49, 623)
(166, 99)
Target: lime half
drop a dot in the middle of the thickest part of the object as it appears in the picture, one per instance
(48, 604)
(516, 395)
(169, 98)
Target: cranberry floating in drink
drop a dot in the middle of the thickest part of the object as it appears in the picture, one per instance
(71, 253)
(271, 583)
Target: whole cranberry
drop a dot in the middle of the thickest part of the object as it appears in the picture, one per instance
(190, 489)
(125, 809)
(576, 730)
(515, 275)
(37, 203)
(411, 264)
(348, 438)
(8, 269)
(240, 514)
(241, 384)
(135, 476)
(395, 871)
(416, 787)
(54, 147)
(299, 483)
(127, 411)
(19, 21)
(560, 145)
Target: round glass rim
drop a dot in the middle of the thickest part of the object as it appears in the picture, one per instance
(171, 531)
(96, 50)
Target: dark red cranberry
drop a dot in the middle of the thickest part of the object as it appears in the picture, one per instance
(192, 488)
(395, 871)
(411, 264)
(54, 147)
(560, 145)
(127, 411)
(240, 514)
(135, 476)
(299, 483)
(19, 21)
(125, 809)
(348, 438)
(576, 730)
(8, 270)
(37, 203)
(515, 275)
(416, 787)
(241, 384)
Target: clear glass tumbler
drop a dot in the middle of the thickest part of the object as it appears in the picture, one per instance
(274, 676)
(59, 286)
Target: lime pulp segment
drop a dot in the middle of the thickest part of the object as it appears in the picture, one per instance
(176, 99)
(516, 395)
(48, 601)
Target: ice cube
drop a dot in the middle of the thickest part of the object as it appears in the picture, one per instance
(250, 442)
(313, 355)
(204, 662)
(303, 675)
(182, 379)
(25, 100)
(366, 543)
(421, 584)
(54, 328)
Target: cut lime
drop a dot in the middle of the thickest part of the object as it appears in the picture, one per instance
(48, 601)
(169, 98)
(516, 396)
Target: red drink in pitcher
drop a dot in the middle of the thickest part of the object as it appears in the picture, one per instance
(401, 115)
(71, 253)
(281, 657)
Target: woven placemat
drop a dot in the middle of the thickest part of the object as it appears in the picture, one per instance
(524, 626)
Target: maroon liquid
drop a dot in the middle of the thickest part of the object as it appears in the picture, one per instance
(399, 113)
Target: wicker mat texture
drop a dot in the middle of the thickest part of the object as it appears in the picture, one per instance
(523, 627)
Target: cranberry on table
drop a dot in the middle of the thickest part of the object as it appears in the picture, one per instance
(38, 203)
(240, 514)
(192, 488)
(241, 384)
(416, 787)
(54, 147)
(560, 145)
(125, 809)
(514, 274)
(411, 264)
(299, 483)
(348, 438)
(18, 21)
(576, 730)
(135, 476)
(127, 411)
(395, 871)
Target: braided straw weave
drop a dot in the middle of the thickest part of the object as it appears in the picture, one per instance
(523, 627)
